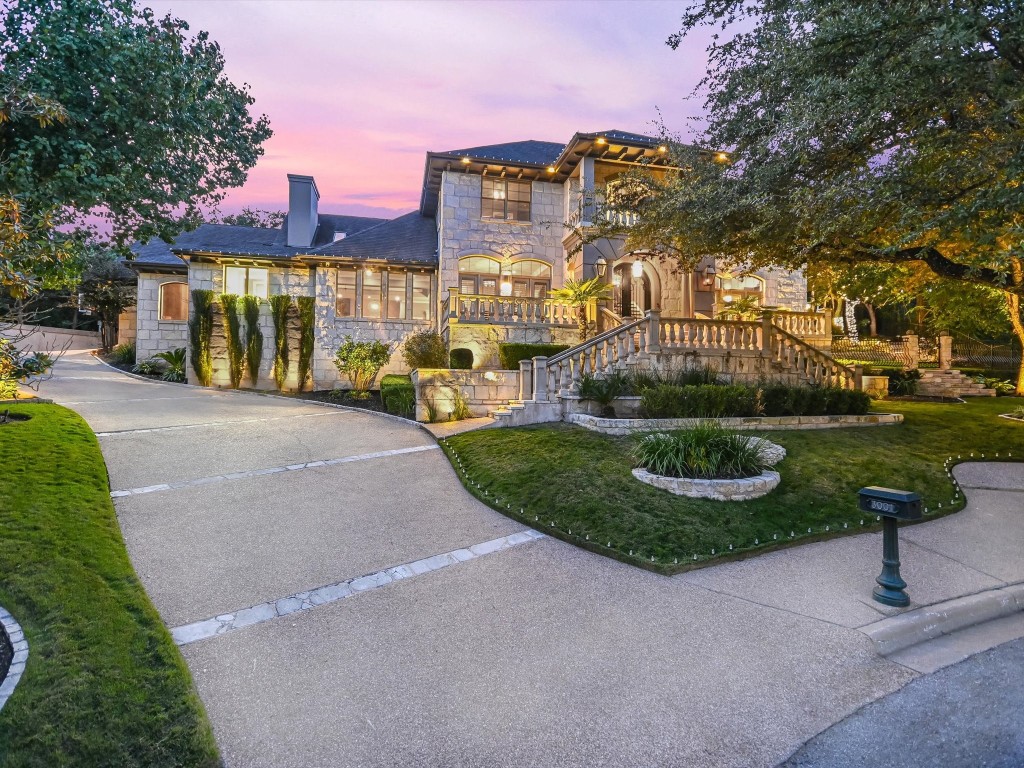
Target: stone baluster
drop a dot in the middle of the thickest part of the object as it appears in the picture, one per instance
(564, 379)
(642, 346)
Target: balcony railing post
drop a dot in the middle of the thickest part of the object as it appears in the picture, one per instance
(454, 308)
(540, 379)
(653, 331)
(525, 380)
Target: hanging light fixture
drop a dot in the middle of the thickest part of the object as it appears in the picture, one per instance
(638, 269)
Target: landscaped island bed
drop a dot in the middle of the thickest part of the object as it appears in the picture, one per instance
(582, 482)
(104, 683)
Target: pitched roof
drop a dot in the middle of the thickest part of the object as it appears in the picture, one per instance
(236, 240)
(531, 152)
(409, 239)
(615, 133)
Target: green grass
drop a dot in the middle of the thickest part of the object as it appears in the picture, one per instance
(567, 478)
(104, 685)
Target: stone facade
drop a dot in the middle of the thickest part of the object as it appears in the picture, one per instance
(784, 289)
(483, 390)
(463, 232)
(153, 335)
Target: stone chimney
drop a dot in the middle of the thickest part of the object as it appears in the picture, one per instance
(302, 214)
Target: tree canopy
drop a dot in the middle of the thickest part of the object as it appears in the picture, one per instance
(853, 133)
(152, 131)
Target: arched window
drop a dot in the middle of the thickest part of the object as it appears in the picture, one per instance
(173, 302)
(479, 275)
(527, 279)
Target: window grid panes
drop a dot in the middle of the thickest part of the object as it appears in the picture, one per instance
(393, 294)
(421, 296)
(372, 284)
(346, 299)
(504, 199)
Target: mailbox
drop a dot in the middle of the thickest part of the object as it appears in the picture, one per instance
(900, 505)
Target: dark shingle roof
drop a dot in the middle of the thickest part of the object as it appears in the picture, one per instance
(531, 152)
(615, 133)
(409, 239)
(244, 241)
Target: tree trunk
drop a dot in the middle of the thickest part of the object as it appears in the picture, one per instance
(1013, 307)
(581, 321)
(872, 320)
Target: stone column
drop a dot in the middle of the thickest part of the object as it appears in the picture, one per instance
(945, 351)
(525, 380)
(540, 379)
(767, 326)
(653, 331)
(913, 351)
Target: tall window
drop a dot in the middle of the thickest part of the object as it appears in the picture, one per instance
(504, 199)
(372, 284)
(530, 279)
(173, 302)
(483, 276)
(346, 303)
(421, 296)
(242, 281)
(396, 295)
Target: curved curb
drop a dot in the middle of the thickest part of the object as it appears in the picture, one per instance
(619, 427)
(740, 489)
(931, 621)
(14, 634)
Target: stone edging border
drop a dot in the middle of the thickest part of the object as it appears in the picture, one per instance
(739, 489)
(1011, 417)
(19, 644)
(908, 629)
(770, 423)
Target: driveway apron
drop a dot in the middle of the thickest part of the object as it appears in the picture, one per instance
(342, 601)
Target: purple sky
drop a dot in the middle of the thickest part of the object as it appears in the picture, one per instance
(357, 92)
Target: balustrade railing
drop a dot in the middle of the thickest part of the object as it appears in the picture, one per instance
(806, 325)
(811, 365)
(719, 335)
(591, 205)
(508, 310)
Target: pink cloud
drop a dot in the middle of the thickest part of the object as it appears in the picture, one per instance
(357, 92)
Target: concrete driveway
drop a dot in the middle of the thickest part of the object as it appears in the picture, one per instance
(342, 601)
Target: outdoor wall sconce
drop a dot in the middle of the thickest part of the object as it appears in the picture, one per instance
(709, 275)
(602, 266)
(637, 269)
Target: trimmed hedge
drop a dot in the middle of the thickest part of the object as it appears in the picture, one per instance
(398, 394)
(511, 353)
(461, 359)
(668, 401)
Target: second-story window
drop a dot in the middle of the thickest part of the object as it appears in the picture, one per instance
(505, 200)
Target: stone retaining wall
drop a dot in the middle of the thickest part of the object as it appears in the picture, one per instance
(483, 390)
(631, 426)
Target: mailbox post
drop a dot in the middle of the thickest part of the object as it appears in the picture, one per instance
(891, 505)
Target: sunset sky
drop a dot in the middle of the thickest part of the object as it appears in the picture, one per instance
(357, 92)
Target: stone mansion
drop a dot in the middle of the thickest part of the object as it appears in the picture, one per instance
(476, 262)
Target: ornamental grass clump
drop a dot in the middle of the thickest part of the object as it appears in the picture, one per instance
(705, 451)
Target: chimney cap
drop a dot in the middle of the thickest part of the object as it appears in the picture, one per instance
(298, 177)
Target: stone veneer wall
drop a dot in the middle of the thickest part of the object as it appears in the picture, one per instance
(151, 334)
(329, 329)
(784, 289)
(462, 232)
(484, 390)
(483, 340)
(126, 326)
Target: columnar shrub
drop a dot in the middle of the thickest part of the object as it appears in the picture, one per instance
(200, 334)
(233, 337)
(424, 349)
(307, 313)
(253, 337)
(279, 306)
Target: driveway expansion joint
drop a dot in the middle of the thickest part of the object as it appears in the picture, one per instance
(308, 599)
(251, 473)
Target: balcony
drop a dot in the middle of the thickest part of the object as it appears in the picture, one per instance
(589, 206)
(509, 310)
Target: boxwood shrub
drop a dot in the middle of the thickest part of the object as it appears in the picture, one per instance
(511, 353)
(669, 401)
(398, 394)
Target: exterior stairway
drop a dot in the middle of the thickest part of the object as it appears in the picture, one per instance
(741, 350)
(950, 383)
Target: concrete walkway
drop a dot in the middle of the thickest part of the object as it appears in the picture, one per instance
(349, 604)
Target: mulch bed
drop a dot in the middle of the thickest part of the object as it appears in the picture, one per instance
(372, 403)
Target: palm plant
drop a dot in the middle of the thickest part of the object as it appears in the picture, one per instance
(580, 293)
(175, 360)
(745, 308)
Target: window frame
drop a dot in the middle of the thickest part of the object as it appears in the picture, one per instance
(247, 281)
(506, 199)
(160, 302)
(384, 294)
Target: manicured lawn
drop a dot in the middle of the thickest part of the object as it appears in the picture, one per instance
(581, 481)
(104, 685)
